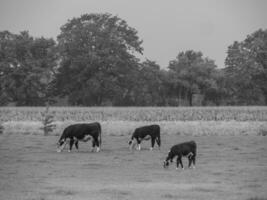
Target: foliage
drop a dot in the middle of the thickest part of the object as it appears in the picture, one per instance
(148, 89)
(97, 59)
(246, 71)
(95, 63)
(191, 74)
(26, 68)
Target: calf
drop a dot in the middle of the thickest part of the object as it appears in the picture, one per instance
(186, 149)
(80, 132)
(145, 133)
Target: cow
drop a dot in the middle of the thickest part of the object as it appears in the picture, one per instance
(186, 149)
(80, 132)
(145, 133)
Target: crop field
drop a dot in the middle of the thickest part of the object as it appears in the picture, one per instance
(123, 120)
(228, 167)
(231, 155)
(257, 113)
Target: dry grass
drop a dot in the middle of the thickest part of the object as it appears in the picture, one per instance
(120, 128)
(136, 113)
(122, 120)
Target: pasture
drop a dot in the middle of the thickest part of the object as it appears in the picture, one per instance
(227, 167)
(231, 155)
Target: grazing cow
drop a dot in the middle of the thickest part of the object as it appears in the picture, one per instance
(80, 132)
(186, 149)
(145, 133)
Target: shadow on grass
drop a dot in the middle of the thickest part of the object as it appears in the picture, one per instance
(170, 196)
(200, 189)
(93, 165)
(115, 193)
(63, 192)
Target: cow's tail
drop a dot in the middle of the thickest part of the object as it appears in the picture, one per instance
(159, 140)
(100, 137)
(195, 149)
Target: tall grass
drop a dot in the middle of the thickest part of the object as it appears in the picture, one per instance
(123, 120)
(136, 113)
(120, 128)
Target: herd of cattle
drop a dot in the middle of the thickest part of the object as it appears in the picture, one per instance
(84, 132)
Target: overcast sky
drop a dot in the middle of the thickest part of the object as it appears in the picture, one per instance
(166, 27)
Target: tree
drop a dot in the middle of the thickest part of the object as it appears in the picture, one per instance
(97, 59)
(149, 88)
(191, 74)
(246, 70)
(26, 66)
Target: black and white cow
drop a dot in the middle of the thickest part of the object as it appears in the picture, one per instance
(80, 132)
(145, 133)
(186, 149)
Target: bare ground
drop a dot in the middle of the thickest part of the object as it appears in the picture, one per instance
(228, 167)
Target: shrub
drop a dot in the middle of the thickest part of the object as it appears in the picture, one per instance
(1, 128)
(47, 122)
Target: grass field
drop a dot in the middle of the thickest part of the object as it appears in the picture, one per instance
(231, 158)
(228, 167)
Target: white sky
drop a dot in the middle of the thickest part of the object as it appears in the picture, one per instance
(166, 27)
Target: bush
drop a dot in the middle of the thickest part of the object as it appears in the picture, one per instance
(48, 119)
(1, 128)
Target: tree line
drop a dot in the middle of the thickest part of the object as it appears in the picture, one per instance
(94, 62)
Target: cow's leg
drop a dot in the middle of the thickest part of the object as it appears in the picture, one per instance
(152, 142)
(76, 144)
(97, 144)
(189, 156)
(158, 141)
(93, 144)
(177, 162)
(189, 161)
(194, 161)
(71, 144)
(138, 140)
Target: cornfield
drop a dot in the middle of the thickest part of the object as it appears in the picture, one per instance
(138, 114)
(195, 121)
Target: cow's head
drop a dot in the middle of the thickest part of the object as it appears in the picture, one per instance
(165, 163)
(169, 159)
(61, 144)
(131, 143)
